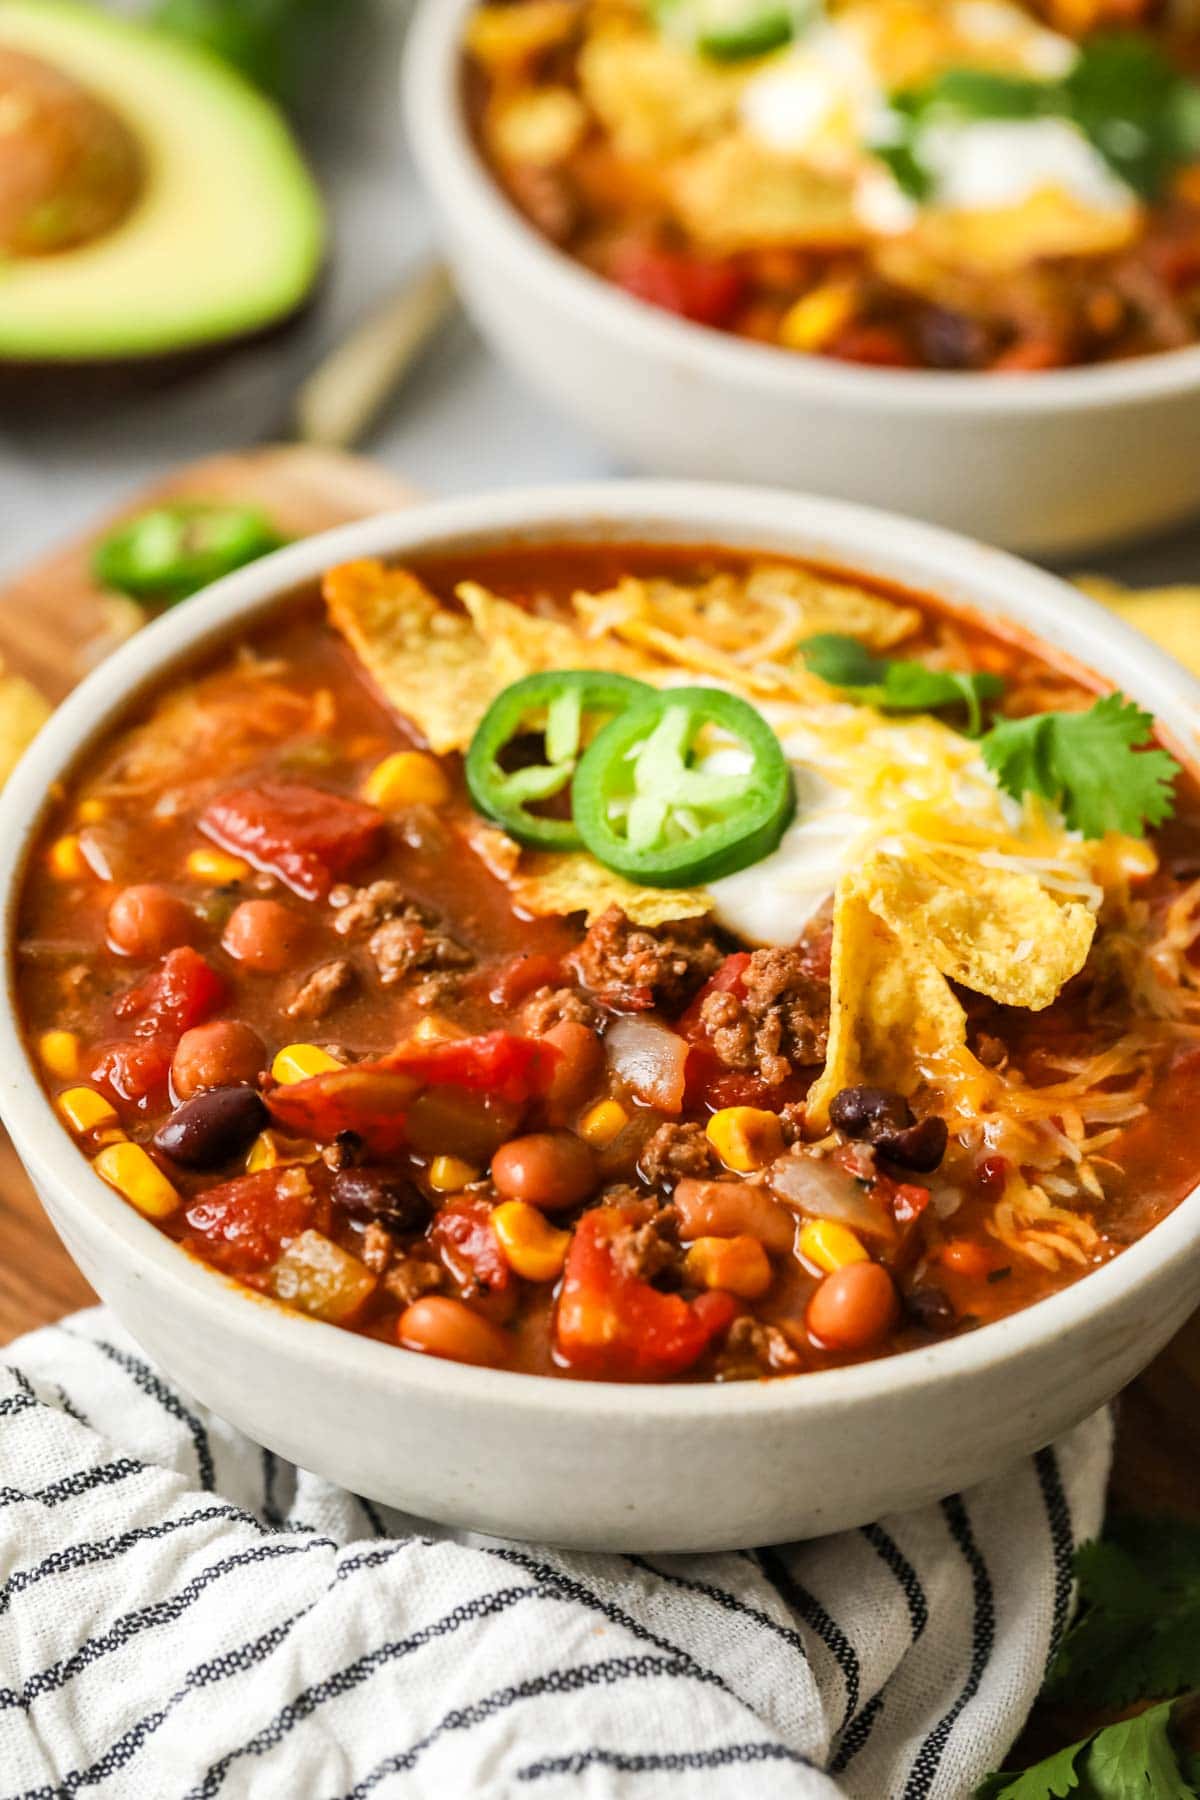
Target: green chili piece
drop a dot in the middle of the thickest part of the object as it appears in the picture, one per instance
(171, 551)
(655, 797)
(559, 706)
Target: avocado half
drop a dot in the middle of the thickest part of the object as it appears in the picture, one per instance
(220, 237)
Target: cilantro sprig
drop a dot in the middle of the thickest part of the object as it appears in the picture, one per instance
(1121, 92)
(897, 686)
(1091, 764)
(1135, 1759)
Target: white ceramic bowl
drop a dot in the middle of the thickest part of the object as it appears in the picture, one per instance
(1047, 463)
(601, 1465)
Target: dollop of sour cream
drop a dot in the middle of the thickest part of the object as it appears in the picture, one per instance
(825, 100)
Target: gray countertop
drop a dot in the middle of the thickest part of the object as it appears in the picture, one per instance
(462, 422)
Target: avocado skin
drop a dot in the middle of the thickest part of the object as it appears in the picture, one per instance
(42, 388)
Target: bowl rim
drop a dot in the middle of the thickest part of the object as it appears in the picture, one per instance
(457, 177)
(833, 532)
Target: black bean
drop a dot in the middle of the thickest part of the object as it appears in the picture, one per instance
(950, 340)
(382, 1194)
(213, 1127)
(919, 1147)
(862, 1112)
(931, 1309)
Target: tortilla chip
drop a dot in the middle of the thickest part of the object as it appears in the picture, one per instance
(1001, 239)
(548, 885)
(894, 1021)
(735, 195)
(1170, 616)
(653, 97)
(429, 663)
(23, 712)
(743, 630)
(519, 641)
(996, 931)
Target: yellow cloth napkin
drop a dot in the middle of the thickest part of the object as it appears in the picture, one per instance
(1168, 615)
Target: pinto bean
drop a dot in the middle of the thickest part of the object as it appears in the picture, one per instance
(208, 1130)
(577, 1072)
(148, 920)
(264, 936)
(220, 1054)
(732, 1209)
(854, 1307)
(550, 1169)
(440, 1326)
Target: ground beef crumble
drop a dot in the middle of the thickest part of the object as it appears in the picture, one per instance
(548, 1007)
(676, 1151)
(647, 1247)
(779, 1022)
(752, 1349)
(411, 1276)
(623, 961)
(404, 935)
(332, 982)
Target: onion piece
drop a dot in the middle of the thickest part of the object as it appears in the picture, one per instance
(817, 1187)
(650, 1059)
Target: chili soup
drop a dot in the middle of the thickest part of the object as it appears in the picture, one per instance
(942, 184)
(628, 963)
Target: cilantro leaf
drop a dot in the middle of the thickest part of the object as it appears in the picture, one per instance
(1137, 1634)
(846, 663)
(1135, 1759)
(1089, 763)
(1051, 1779)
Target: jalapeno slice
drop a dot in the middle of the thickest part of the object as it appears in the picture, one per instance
(689, 785)
(558, 705)
(169, 552)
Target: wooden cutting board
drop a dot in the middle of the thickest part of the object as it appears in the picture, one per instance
(55, 623)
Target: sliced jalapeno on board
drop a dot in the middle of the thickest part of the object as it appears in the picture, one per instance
(558, 705)
(171, 551)
(689, 785)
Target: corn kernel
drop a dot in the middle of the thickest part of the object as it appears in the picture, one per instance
(67, 860)
(447, 1174)
(91, 811)
(84, 1109)
(603, 1122)
(133, 1173)
(59, 1051)
(739, 1265)
(531, 1245)
(829, 1245)
(407, 778)
(298, 1062)
(269, 1152)
(745, 1137)
(216, 866)
(818, 316)
(433, 1029)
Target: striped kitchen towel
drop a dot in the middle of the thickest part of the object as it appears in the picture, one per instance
(182, 1614)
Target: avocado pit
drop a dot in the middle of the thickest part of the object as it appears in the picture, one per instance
(70, 168)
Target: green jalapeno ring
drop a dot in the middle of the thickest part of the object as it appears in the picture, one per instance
(560, 701)
(681, 825)
(169, 552)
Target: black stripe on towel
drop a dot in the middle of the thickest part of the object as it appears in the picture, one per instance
(1062, 1541)
(144, 1377)
(794, 1594)
(668, 1762)
(889, 1551)
(723, 1598)
(983, 1637)
(69, 1487)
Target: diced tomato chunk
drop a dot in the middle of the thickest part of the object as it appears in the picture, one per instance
(522, 975)
(372, 1098)
(703, 289)
(306, 836)
(183, 991)
(135, 1071)
(614, 1326)
(244, 1223)
(463, 1233)
(879, 346)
